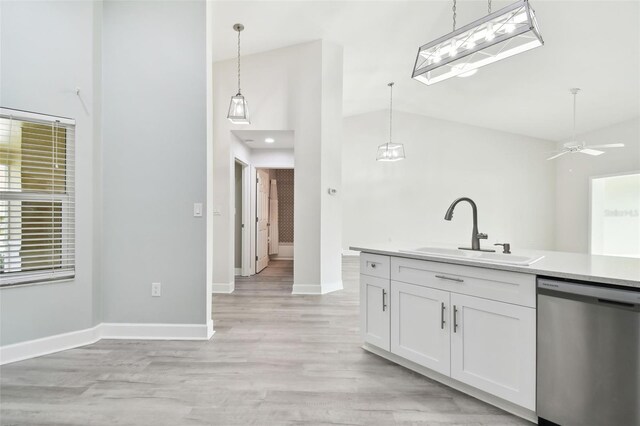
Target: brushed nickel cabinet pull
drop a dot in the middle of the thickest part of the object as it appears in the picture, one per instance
(455, 318)
(444, 277)
(442, 316)
(384, 302)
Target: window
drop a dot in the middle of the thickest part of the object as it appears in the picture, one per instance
(615, 215)
(37, 204)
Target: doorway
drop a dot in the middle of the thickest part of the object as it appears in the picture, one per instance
(274, 218)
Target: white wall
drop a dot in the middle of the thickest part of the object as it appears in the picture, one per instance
(331, 162)
(573, 173)
(286, 89)
(154, 118)
(49, 49)
(405, 202)
(273, 158)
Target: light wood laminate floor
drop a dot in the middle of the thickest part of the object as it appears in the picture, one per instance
(275, 359)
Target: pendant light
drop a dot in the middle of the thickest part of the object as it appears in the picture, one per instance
(390, 151)
(499, 35)
(238, 108)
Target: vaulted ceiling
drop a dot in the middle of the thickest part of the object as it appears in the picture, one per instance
(594, 45)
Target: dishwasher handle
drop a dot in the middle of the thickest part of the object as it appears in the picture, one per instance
(605, 295)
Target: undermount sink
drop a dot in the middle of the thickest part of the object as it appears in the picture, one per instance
(480, 256)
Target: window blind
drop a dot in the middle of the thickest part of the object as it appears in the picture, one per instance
(37, 200)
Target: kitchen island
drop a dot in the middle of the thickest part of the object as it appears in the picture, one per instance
(467, 323)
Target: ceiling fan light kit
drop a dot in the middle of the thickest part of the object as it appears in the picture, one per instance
(238, 108)
(499, 35)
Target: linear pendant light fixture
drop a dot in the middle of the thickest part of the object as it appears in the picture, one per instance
(390, 151)
(238, 108)
(499, 35)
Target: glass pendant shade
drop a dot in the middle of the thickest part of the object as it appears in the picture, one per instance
(390, 152)
(499, 35)
(238, 110)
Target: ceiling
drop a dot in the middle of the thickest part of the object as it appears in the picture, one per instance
(255, 139)
(594, 45)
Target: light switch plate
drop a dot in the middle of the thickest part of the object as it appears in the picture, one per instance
(197, 209)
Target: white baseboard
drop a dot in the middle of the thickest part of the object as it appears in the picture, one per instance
(350, 253)
(48, 345)
(210, 330)
(331, 287)
(316, 288)
(224, 288)
(154, 331)
(62, 342)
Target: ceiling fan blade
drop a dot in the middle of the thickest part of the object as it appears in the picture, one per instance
(608, 145)
(558, 155)
(591, 151)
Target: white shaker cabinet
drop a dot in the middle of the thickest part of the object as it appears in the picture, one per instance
(374, 312)
(493, 347)
(420, 325)
(472, 325)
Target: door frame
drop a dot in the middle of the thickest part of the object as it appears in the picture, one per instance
(246, 218)
(252, 187)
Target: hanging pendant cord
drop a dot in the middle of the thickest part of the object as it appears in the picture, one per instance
(574, 116)
(238, 62)
(390, 114)
(489, 7)
(454, 15)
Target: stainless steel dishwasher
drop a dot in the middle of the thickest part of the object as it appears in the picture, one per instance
(588, 354)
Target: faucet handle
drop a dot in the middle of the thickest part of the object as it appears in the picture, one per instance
(506, 247)
(482, 236)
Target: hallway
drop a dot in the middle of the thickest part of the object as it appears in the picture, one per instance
(275, 359)
(277, 277)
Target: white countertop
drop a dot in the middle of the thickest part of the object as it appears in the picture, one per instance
(621, 271)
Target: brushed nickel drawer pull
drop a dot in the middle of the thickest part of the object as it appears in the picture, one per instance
(444, 277)
(373, 264)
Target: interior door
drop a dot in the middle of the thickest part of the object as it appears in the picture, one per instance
(420, 325)
(493, 347)
(262, 222)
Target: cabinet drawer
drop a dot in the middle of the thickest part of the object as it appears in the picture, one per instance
(503, 286)
(374, 265)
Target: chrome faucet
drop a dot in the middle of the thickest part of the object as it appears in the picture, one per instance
(475, 235)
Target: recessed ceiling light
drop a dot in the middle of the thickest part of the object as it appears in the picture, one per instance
(269, 140)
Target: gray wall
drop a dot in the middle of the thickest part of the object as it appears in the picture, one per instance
(49, 49)
(154, 78)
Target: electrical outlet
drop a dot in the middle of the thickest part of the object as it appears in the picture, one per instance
(156, 289)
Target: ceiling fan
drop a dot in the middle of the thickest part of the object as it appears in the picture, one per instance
(575, 146)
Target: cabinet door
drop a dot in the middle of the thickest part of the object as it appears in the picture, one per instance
(374, 310)
(420, 325)
(493, 346)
